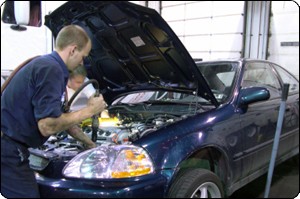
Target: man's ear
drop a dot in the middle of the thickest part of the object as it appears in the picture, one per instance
(73, 48)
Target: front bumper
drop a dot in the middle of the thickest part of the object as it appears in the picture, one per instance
(150, 186)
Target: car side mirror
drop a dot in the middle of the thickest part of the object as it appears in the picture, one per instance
(250, 95)
(22, 14)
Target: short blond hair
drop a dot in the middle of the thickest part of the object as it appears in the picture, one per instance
(80, 70)
(72, 34)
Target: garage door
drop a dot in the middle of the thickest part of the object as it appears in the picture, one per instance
(207, 30)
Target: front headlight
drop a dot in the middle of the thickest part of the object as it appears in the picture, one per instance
(116, 161)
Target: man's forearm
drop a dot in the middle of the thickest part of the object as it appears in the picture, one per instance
(49, 126)
(76, 132)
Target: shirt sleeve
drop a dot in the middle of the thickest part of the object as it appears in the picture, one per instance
(48, 82)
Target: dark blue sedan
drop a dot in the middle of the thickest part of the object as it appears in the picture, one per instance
(177, 128)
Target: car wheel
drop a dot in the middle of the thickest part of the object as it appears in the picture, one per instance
(196, 183)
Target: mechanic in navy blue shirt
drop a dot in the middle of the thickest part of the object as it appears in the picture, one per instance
(31, 109)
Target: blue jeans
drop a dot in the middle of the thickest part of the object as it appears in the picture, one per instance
(17, 178)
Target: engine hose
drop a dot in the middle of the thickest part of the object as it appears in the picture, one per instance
(15, 71)
(95, 120)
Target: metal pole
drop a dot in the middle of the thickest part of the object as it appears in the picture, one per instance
(284, 95)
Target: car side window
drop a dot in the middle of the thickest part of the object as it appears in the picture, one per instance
(288, 78)
(261, 74)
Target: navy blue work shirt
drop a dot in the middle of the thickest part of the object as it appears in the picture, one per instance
(35, 92)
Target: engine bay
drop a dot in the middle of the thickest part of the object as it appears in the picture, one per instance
(127, 123)
(111, 131)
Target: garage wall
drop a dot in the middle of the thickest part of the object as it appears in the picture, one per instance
(18, 46)
(207, 30)
(214, 29)
(256, 29)
(283, 45)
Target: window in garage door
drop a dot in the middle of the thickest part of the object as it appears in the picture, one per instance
(208, 29)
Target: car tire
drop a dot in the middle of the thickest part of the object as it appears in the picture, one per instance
(196, 183)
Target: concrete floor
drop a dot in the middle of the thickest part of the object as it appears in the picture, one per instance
(285, 183)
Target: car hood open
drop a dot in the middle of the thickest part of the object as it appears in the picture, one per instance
(133, 48)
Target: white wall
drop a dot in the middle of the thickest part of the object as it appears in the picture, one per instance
(18, 46)
(284, 27)
(208, 29)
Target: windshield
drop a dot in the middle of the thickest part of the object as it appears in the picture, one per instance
(220, 77)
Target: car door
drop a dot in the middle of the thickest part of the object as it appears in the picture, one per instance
(290, 128)
(258, 123)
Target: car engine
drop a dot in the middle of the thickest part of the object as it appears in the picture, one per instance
(63, 147)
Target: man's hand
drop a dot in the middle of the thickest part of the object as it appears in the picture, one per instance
(96, 104)
(51, 125)
(90, 146)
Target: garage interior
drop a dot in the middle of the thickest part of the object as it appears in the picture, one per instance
(212, 30)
